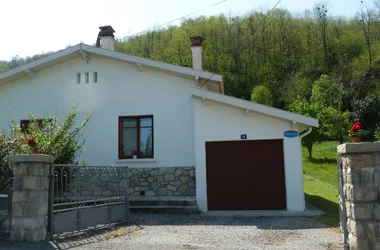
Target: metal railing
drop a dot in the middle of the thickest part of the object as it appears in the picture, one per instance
(87, 197)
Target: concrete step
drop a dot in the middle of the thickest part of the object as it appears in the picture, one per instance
(164, 209)
(163, 204)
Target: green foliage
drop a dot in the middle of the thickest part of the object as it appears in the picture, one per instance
(297, 85)
(262, 94)
(334, 123)
(377, 133)
(332, 63)
(326, 92)
(18, 61)
(59, 139)
(303, 107)
(6, 171)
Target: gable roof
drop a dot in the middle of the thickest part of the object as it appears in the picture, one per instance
(73, 51)
(251, 106)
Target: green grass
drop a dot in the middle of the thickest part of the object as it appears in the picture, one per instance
(321, 181)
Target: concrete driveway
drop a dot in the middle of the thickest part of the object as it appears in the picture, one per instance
(172, 232)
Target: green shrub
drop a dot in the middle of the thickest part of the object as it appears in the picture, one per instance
(376, 134)
(6, 172)
(61, 140)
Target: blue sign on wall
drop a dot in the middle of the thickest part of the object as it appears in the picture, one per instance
(291, 133)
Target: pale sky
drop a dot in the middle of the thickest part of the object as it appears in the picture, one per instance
(35, 26)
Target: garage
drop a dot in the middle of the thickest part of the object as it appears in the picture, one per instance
(245, 175)
(248, 156)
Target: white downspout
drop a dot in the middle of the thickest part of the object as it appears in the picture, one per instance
(306, 133)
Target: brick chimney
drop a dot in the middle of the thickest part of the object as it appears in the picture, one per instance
(196, 48)
(106, 39)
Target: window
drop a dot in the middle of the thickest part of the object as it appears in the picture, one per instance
(86, 77)
(95, 76)
(136, 133)
(78, 78)
(24, 124)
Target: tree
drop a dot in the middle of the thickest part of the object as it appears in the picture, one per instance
(334, 123)
(366, 19)
(297, 85)
(303, 107)
(326, 92)
(262, 94)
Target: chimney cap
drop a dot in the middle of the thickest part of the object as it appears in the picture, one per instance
(106, 31)
(196, 41)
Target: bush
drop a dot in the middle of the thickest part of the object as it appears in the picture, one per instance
(6, 172)
(377, 133)
(61, 140)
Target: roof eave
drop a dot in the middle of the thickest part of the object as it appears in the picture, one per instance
(40, 62)
(232, 101)
(153, 63)
(112, 54)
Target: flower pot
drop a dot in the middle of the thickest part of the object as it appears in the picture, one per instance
(134, 156)
(355, 139)
(35, 151)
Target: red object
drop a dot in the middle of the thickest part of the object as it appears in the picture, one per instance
(31, 140)
(357, 126)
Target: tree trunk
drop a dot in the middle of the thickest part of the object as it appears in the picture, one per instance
(310, 150)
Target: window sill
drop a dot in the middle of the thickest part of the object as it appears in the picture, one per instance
(135, 160)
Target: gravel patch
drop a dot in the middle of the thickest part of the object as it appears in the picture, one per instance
(172, 232)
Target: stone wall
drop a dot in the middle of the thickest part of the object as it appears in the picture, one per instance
(111, 181)
(361, 186)
(174, 181)
(92, 181)
(30, 197)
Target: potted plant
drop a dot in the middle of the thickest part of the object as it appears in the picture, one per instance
(356, 131)
(33, 145)
(134, 154)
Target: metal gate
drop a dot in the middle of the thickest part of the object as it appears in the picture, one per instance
(85, 198)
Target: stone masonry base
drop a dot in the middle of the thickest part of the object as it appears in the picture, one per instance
(170, 181)
(30, 197)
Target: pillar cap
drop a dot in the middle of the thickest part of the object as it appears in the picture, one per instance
(32, 158)
(355, 148)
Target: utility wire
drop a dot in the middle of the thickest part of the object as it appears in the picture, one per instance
(179, 18)
(268, 14)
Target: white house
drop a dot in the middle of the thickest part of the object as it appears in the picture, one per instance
(247, 156)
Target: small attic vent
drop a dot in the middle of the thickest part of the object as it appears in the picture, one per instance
(78, 78)
(86, 77)
(95, 76)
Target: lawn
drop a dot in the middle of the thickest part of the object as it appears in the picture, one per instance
(321, 181)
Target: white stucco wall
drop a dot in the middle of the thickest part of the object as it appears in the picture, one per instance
(121, 90)
(182, 125)
(217, 122)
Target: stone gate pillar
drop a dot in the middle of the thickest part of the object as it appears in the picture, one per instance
(30, 197)
(361, 185)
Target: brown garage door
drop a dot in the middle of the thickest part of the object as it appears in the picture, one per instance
(245, 175)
